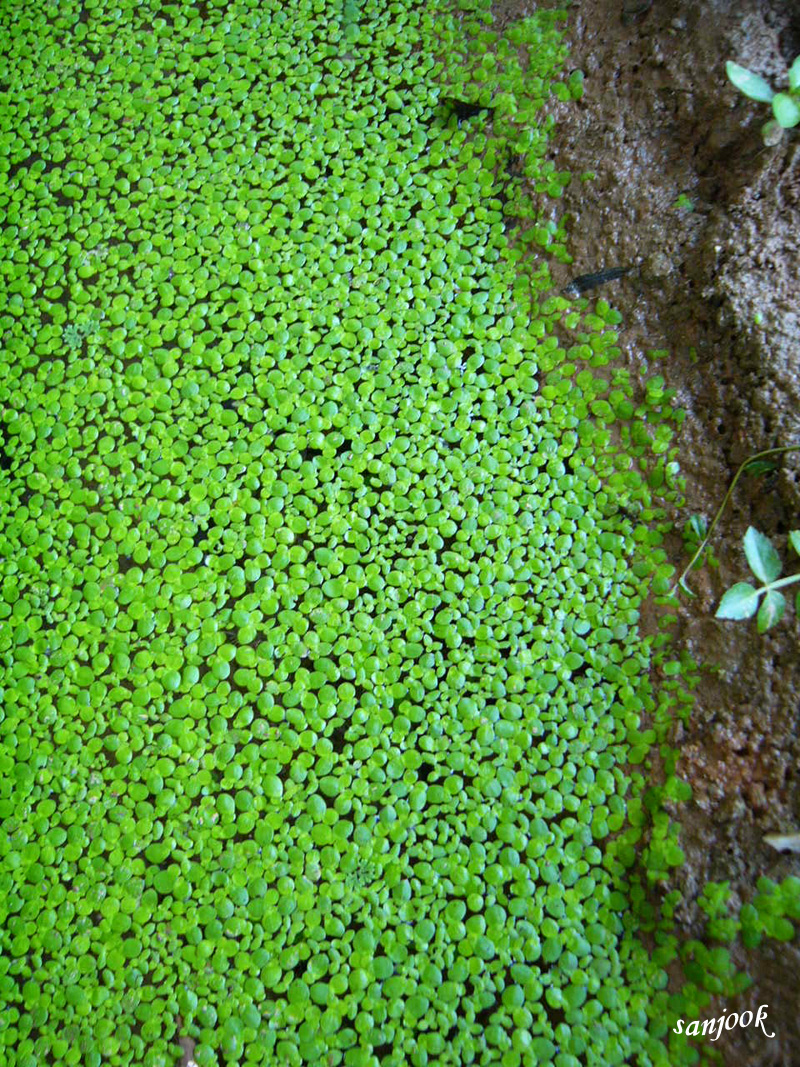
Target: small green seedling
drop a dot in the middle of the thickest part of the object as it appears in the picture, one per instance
(742, 600)
(684, 201)
(695, 532)
(759, 467)
(752, 464)
(785, 106)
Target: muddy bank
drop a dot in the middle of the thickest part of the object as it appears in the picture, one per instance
(685, 189)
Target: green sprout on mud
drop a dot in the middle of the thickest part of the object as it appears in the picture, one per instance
(742, 600)
(753, 464)
(695, 531)
(785, 105)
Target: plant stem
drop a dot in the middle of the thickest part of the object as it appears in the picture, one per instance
(681, 583)
(780, 583)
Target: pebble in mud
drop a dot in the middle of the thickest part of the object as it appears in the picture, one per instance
(771, 134)
(656, 268)
(188, 1046)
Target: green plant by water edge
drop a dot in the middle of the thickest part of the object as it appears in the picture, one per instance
(743, 600)
(785, 105)
(753, 464)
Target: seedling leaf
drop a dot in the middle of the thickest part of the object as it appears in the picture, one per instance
(759, 466)
(794, 540)
(762, 557)
(740, 602)
(752, 85)
(786, 110)
(696, 527)
(751, 460)
(771, 611)
(794, 74)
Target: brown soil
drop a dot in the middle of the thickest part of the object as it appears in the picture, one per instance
(188, 1045)
(718, 288)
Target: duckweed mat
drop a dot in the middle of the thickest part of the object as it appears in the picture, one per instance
(323, 686)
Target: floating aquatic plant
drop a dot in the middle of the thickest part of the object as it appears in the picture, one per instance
(322, 573)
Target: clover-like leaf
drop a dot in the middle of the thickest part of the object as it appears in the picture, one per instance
(740, 602)
(771, 611)
(794, 75)
(764, 561)
(752, 85)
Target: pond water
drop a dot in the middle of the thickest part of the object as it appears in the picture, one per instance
(326, 704)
